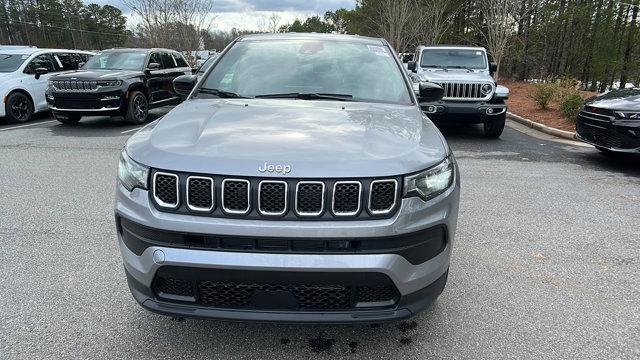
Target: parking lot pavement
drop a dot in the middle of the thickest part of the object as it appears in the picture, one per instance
(545, 265)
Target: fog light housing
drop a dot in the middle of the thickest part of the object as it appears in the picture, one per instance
(489, 111)
(431, 109)
(110, 97)
(50, 97)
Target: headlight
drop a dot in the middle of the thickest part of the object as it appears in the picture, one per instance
(628, 115)
(131, 174)
(431, 182)
(110, 83)
(486, 89)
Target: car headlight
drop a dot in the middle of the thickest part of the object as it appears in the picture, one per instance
(132, 174)
(628, 115)
(486, 89)
(110, 83)
(431, 182)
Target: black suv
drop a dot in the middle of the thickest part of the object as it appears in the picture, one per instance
(117, 82)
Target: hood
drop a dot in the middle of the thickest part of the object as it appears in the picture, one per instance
(317, 139)
(436, 75)
(96, 75)
(627, 99)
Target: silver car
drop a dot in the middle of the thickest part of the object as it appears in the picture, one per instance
(291, 186)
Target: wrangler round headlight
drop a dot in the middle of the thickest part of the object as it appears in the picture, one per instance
(132, 174)
(486, 89)
(431, 182)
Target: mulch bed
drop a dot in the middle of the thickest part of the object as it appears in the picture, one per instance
(520, 104)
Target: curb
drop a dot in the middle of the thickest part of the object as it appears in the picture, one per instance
(543, 128)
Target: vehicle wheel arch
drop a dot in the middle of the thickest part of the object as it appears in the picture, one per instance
(24, 92)
(139, 86)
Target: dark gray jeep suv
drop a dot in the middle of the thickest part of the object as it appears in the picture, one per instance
(292, 185)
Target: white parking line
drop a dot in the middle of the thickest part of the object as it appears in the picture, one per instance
(130, 130)
(33, 124)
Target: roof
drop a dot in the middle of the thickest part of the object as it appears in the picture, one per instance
(33, 50)
(452, 47)
(315, 36)
(142, 50)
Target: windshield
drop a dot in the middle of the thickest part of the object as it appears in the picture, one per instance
(207, 64)
(357, 71)
(11, 62)
(454, 58)
(116, 61)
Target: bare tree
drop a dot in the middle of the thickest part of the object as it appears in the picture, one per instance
(500, 23)
(396, 21)
(434, 20)
(194, 18)
(155, 16)
(274, 22)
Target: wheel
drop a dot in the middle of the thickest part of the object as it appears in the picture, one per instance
(19, 107)
(494, 127)
(67, 118)
(137, 108)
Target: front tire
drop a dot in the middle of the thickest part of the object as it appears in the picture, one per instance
(68, 119)
(494, 127)
(137, 108)
(19, 107)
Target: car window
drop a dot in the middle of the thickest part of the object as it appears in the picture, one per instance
(66, 61)
(40, 61)
(167, 61)
(11, 62)
(116, 60)
(365, 71)
(155, 58)
(207, 64)
(180, 60)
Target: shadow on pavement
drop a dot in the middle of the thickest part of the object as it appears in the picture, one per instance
(103, 126)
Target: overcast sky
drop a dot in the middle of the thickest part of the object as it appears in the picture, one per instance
(246, 14)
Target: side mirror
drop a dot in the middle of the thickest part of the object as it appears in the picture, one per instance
(40, 71)
(183, 84)
(412, 66)
(430, 92)
(493, 67)
(153, 66)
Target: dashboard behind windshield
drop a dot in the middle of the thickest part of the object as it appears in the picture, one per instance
(361, 71)
(116, 61)
(454, 58)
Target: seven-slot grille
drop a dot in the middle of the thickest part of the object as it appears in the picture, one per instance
(74, 85)
(218, 196)
(464, 91)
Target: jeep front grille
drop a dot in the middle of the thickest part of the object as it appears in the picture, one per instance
(218, 196)
(200, 194)
(236, 196)
(272, 197)
(74, 85)
(464, 91)
(165, 189)
(309, 198)
(346, 198)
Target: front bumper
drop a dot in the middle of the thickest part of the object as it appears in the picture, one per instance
(463, 111)
(616, 135)
(86, 103)
(416, 284)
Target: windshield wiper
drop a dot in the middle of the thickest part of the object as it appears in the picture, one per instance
(220, 93)
(459, 67)
(309, 96)
(433, 66)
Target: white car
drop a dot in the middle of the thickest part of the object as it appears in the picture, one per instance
(23, 78)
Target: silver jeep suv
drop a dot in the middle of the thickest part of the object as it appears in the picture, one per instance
(291, 186)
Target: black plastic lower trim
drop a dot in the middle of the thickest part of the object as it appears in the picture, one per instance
(408, 305)
(417, 247)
